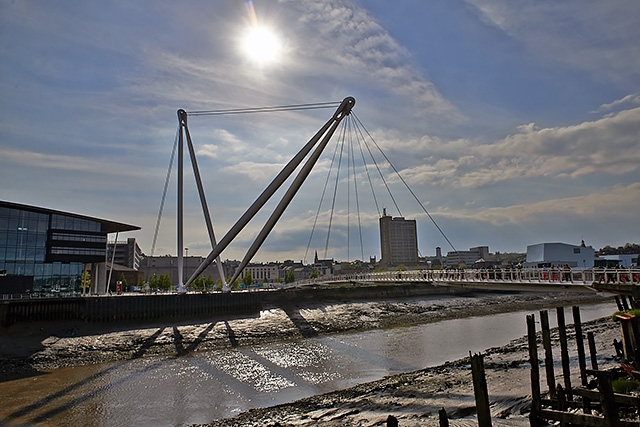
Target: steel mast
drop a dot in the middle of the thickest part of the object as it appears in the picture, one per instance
(343, 110)
(182, 120)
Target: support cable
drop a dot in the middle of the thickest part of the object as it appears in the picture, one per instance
(164, 192)
(355, 187)
(378, 167)
(366, 168)
(324, 190)
(294, 107)
(335, 190)
(405, 183)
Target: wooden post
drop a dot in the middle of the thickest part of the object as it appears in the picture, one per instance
(582, 362)
(592, 351)
(619, 304)
(480, 390)
(635, 333)
(577, 324)
(444, 420)
(625, 305)
(609, 407)
(536, 404)
(548, 354)
(635, 299)
(564, 351)
(562, 399)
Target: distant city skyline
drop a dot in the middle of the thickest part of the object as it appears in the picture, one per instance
(515, 123)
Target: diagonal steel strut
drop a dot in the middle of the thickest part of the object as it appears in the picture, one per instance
(327, 130)
(182, 118)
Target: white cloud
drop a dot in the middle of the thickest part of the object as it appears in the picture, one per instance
(348, 37)
(599, 37)
(608, 145)
(625, 102)
(625, 199)
(260, 172)
(36, 160)
(208, 150)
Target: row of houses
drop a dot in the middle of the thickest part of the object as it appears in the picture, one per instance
(270, 272)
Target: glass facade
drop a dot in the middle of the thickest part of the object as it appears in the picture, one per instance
(50, 248)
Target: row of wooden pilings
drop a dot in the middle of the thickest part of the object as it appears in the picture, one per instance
(128, 308)
(594, 398)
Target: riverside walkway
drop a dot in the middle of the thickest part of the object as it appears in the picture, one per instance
(622, 281)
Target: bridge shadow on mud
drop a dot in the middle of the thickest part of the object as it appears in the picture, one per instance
(293, 313)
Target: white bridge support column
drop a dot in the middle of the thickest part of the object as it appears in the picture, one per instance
(181, 288)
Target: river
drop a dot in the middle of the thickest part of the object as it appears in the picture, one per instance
(201, 387)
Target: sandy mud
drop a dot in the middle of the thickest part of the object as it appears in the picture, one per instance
(414, 398)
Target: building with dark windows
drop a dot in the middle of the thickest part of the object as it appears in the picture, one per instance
(468, 258)
(398, 240)
(45, 251)
(127, 253)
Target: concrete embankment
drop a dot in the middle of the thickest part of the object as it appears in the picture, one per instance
(141, 308)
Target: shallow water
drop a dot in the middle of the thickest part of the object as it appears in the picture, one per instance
(201, 387)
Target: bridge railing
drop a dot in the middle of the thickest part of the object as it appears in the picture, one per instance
(585, 276)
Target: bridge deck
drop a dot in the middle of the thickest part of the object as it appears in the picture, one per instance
(617, 281)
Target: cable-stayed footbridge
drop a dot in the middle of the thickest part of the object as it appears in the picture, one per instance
(622, 281)
(580, 280)
(351, 135)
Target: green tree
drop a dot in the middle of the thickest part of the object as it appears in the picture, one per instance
(164, 282)
(197, 284)
(235, 285)
(154, 282)
(290, 277)
(314, 274)
(209, 283)
(201, 283)
(85, 281)
(247, 280)
(125, 286)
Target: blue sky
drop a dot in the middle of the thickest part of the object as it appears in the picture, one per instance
(514, 122)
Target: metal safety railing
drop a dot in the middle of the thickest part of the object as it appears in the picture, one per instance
(584, 276)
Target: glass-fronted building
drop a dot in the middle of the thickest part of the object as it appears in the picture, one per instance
(44, 251)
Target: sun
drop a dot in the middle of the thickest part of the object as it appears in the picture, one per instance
(261, 45)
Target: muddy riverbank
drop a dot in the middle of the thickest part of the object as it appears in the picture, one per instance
(415, 398)
(27, 348)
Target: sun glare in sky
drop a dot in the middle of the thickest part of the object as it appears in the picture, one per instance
(261, 45)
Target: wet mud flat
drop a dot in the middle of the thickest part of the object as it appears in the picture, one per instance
(37, 346)
(415, 398)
